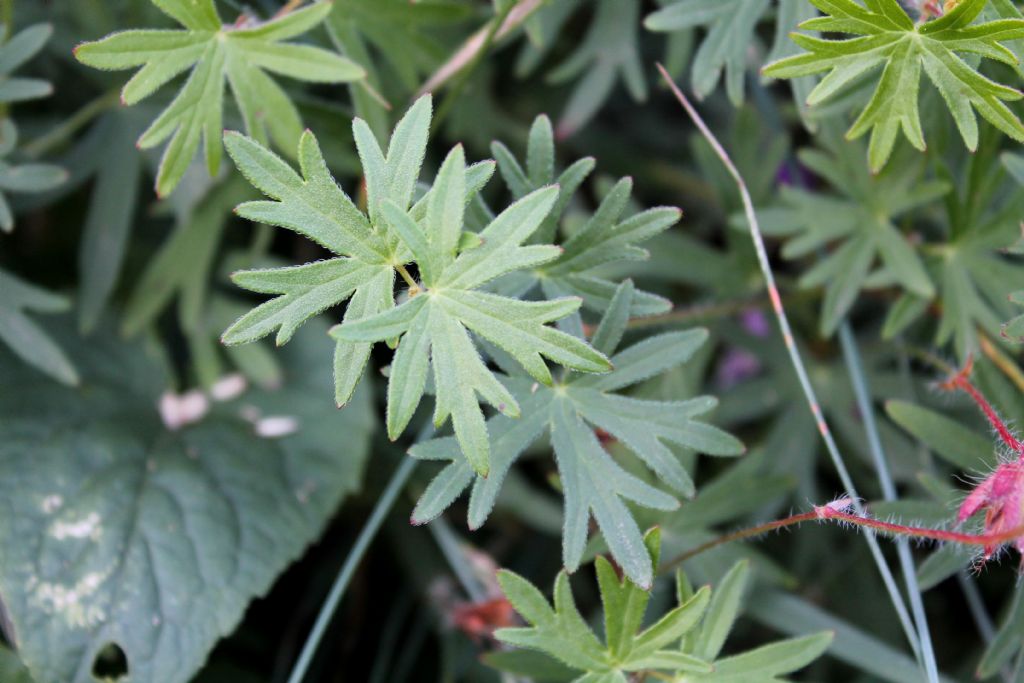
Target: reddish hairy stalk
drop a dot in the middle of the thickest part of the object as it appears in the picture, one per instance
(836, 512)
(960, 381)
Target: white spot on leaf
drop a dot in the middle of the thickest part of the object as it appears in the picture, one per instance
(87, 527)
(70, 602)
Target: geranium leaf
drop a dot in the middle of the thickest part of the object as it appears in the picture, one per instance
(886, 37)
(239, 53)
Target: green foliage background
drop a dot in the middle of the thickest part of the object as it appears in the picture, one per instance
(487, 232)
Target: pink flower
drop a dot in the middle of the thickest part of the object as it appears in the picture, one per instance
(1001, 495)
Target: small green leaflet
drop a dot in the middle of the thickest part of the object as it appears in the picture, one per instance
(29, 341)
(603, 239)
(241, 53)
(15, 52)
(21, 177)
(860, 222)
(593, 483)
(435, 320)
(608, 52)
(887, 37)
(683, 643)
(731, 29)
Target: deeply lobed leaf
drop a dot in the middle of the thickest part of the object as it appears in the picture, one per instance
(594, 484)
(887, 37)
(241, 54)
(684, 642)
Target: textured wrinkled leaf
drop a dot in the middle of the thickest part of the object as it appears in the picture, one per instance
(108, 499)
(11, 668)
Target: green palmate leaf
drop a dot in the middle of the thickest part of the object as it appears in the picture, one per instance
(571, 409)
(868, 250)
(241, 53)
(154, 540)
(15, 52)
(731, 28)
(608, 52)
(315, 206)
(978, 265)
(705, 618)
(434, 322)
(604, 238)
(24, 337)
(887, 38)
(563, 634)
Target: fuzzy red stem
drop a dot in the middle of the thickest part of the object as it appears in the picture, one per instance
(987, 540)
(826, 513)
(961, 382)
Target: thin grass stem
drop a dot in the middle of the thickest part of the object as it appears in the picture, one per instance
(798, 365)
(355, 556)
(855, 368)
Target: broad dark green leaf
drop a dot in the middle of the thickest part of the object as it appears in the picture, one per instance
(120, 530)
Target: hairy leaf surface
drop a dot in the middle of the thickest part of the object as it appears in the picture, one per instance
(593, 482)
